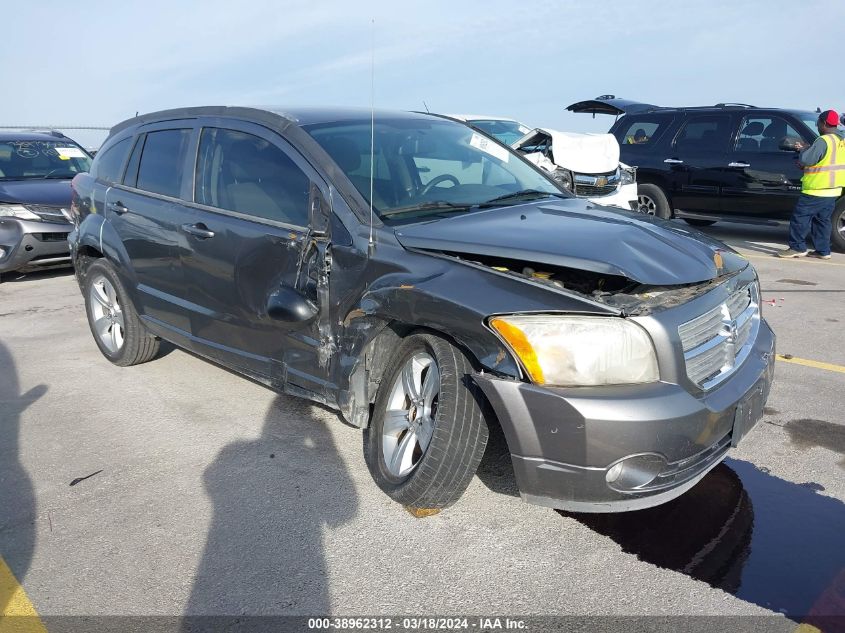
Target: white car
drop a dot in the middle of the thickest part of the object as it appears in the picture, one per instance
(585, 164)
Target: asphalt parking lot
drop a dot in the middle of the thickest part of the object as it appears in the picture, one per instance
(178, 488)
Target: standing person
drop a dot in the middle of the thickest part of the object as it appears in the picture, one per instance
(823, 163)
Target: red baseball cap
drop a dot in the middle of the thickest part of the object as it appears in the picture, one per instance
(830, 117)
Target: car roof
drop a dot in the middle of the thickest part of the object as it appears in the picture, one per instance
(610, 104)
(480, 117)
(299, 116)
(28, 135)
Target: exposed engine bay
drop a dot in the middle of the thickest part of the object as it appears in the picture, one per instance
(631, 297)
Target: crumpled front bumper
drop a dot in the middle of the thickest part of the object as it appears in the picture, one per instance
(625, 197)
(29, 245)
(563, 441)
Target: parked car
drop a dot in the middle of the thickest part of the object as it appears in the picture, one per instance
(466, 290)
(585, 164)
(724, 162)
(35, 173)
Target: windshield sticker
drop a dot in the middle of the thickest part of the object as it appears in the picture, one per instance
(489, 147)
(66, 153)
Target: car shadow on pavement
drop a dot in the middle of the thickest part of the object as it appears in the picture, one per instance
(768, 541)
(17, 495)
(36, 275)
(272, 498)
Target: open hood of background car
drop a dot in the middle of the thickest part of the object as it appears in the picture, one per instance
(609, 104)
(581, 153)
(578, 235)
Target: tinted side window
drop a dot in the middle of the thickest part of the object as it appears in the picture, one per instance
(705, 133)
(248, 174)
(642, 130)
(107, 165)
(162, 160)
(763, 133)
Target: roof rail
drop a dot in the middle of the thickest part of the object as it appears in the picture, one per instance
(734, 105)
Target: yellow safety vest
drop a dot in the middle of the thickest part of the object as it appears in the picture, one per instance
(827, 177)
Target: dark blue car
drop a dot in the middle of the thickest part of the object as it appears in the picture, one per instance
(35, 173)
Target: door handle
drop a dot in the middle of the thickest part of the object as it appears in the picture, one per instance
(198, 230)
(118, 207)
(673, 161)
(738, 165)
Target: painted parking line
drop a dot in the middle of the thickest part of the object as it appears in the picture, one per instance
(803, 260)
(811, 363)
(17, 613)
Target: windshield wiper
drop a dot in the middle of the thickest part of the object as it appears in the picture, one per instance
(438, 205)
(524, 194)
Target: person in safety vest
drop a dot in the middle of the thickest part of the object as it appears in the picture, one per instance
(823, 163)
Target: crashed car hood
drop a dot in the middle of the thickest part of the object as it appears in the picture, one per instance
(54, 193)
(582, 153)
(576, 234)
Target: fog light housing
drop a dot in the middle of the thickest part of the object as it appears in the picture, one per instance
(635, 472)
(2, 252)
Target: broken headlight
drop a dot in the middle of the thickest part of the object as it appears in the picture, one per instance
(17, 211)
(577, 351)
(627, 175)
(563, 177)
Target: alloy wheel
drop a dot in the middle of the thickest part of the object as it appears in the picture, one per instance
(646, 205)
(107, 314)
(411, 411)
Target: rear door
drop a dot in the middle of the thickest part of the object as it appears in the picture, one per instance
(252, 195)
(697, 160)
(147, 212)
(763, 180)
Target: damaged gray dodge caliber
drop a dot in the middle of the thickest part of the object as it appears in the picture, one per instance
(428, 283)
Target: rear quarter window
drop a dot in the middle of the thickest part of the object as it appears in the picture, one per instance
(109, 163)
(642, 130)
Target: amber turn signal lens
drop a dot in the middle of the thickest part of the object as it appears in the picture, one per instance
(521, 347)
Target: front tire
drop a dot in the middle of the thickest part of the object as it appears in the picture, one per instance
(428, 431)
(117, 330)
(837, 233)
(651, 200)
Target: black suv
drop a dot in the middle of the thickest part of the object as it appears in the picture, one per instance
(703, 164)
(622, 355)
(35, 173)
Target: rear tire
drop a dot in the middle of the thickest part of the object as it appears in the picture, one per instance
(837, 233)
(651, 200)
(114, 322)
(699, 222)
(422, 447)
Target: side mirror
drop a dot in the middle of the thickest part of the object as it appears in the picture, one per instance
(288, 305)
(790, 144)
(319, 213)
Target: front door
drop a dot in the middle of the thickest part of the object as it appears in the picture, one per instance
(252, 196)
(764, 180)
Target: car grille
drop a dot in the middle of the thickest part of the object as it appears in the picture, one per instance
(591, 185)
(590, 191)
(718, 341)
(51, 237)
(49, 214)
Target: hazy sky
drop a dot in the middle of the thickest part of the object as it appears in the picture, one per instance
(100, 62)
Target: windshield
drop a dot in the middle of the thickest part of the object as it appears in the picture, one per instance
(23, 160)
(429, 166)
(508, 132)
